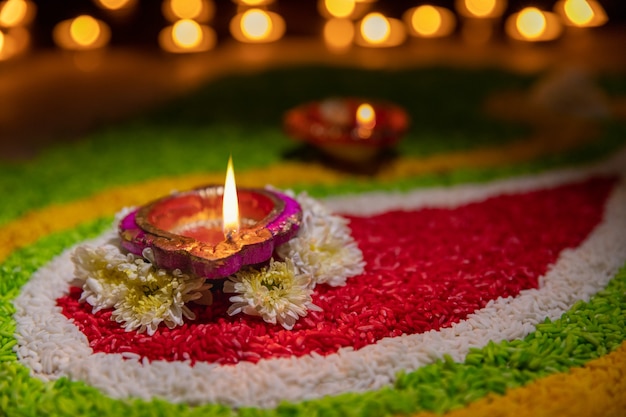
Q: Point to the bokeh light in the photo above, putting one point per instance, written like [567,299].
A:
[338,34]
[375,28]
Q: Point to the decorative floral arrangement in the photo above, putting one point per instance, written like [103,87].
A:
[143,296]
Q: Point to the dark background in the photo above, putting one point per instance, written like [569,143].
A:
[141,27]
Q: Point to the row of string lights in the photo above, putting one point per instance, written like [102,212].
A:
[347,22]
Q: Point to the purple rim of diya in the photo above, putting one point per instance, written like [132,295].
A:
[184,230]
[333,122]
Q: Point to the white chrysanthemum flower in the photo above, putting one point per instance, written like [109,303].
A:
[157,296]
[141,295]
[277,293]
[101,271]
[323,247]
[328,259]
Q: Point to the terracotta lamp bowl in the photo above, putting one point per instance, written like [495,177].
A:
[332,126]
[184,230]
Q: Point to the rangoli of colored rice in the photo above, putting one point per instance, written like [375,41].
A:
[574,365]
[578,375]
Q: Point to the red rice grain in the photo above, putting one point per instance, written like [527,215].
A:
[426,269]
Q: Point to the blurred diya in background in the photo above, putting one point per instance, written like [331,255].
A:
[257,26]
[81,33]
[581,13]
[348,130]
[533,25]
[213,231]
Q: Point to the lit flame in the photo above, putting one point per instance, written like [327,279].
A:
[230,203]
[375,28]
[186,9]
[85,30]
[256,24]
[365,119]
[480,8]
[531,22]
[13,13]
[578,11]
[187,34]
[426,20]
[366,116]
[1,42]
[114,4]
[340,8]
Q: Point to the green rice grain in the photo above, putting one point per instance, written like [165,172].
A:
[442,386]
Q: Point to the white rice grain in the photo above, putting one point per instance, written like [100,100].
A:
[51,347]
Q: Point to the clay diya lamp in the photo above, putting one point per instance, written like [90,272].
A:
[348,129]
[186,230]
